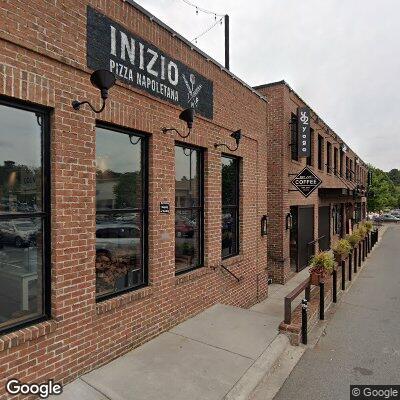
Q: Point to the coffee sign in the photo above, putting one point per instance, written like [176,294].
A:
[303,124]
[138,63]
[306,182]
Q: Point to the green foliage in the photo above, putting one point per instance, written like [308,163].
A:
[362,230]
[394,175]
[384,192]
[322,263]
[342,248]
[354,238]
[368,225]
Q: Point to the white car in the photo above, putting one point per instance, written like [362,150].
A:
[19,233]
[117,240]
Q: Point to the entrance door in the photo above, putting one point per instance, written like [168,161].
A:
[324,227]
[305,233]
[294,239]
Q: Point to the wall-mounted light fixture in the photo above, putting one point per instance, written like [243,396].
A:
[102,80]
[237,135]
[187,116]
[289,221]
[264,225]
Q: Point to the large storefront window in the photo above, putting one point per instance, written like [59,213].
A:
[230,206]
[337,219]
[24,216]
[120,211]
[188,208]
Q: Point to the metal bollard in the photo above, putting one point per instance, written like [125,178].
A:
[334,286]
[304,309]
[344,275]
[350,262]
[352,258]
[322,300]
[359,255]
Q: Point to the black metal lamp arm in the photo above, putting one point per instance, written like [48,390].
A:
[165,130]
[77,104]
[216,145]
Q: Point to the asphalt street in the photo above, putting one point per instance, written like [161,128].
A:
[362,340]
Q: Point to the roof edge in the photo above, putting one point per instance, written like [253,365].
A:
[337,137]
[192,46]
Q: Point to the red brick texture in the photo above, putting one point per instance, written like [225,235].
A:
[43,61]
[282,102]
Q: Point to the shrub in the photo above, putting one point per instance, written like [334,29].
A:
[354,238]
[322,263]
[342,248]
[362,230]
[369,226]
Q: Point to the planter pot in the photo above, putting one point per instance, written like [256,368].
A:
[316,278]
[339,258]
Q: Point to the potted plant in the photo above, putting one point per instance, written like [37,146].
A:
[362,230]
[354,238]
[321,265]
[341,250]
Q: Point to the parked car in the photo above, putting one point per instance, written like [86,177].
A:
[19,233]
[118,240]
[387,218]
[184,227]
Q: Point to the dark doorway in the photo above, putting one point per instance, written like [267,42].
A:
[305,233]
[324,227]
[294,239]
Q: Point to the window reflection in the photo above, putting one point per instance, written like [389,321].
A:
[120,212]
[188,209]
[20,161]
[21,216]
[230,206]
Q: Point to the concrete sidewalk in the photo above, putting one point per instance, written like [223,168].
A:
[222,353]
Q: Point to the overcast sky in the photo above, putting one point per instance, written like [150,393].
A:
[342,57]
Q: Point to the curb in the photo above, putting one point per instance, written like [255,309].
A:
[255,374]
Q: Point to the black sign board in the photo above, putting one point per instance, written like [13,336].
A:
[306,182]
[164,208]
[142,65]
[303,124]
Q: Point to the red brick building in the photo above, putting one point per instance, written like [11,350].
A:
[111,229]
[307,223]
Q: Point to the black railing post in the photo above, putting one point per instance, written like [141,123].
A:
[322,300]
[359,254]
[343,275]
[304,308]
[334,286]
[363,249]
[350,262]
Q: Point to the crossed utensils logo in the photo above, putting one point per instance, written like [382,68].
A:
[193,92]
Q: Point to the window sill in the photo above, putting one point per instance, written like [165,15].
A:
[119,301]
[14,339]
[191,275]
[232,261]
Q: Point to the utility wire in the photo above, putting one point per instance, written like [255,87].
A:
[202,9]
[208,29]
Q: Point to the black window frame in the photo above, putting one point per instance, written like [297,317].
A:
[237,160]
[320,152]
[335,160]
[310,158]
[200,207]
[145,205]
[294,138]
[43,115]
[328,157]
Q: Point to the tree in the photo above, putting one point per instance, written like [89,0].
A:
[383,193]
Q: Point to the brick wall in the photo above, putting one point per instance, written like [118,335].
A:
[282,102]
[43,61]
